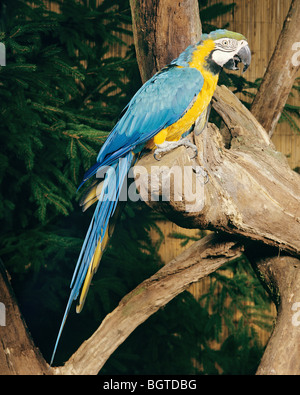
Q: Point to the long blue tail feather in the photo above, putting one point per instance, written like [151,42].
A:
[105,208]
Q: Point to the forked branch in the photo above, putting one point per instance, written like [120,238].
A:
[251,191]
[202,258]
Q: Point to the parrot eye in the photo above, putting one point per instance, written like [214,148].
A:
[227,44]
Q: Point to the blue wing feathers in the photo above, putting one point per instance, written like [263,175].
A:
[164,98]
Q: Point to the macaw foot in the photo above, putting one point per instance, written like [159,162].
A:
[168,146]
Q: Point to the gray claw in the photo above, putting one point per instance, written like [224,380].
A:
[195,153]
[168,146]
[155,155]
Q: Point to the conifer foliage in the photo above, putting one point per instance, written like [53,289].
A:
[56,110]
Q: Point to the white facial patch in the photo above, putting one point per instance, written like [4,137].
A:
[221,57]
[225,50]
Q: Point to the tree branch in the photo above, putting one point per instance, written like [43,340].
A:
[280,74]
[202,258]
[239,122]
[18,354]
[157,43]
[282,277]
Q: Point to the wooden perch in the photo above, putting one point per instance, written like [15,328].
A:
[251,190]
[202,258]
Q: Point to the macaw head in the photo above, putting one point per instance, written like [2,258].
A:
[229,50]
[218,49]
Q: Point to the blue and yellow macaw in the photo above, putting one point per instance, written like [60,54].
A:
[163,110]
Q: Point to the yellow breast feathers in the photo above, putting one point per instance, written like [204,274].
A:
[174,131]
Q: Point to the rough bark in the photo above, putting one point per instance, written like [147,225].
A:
[280,74]
[282,277]
[251,191]
[201,259]
[157,42]
[18,354]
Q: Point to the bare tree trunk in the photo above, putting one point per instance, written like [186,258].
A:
[280,74]
[18,354]
[162,30]
[282,277]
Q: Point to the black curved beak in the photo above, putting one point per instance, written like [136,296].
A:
[243,56]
